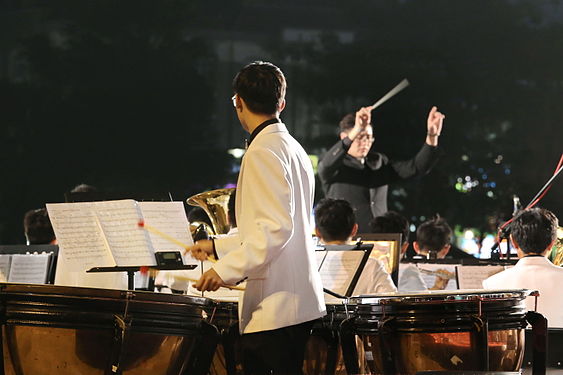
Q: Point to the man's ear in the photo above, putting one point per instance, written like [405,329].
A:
[444,251]
[416,247]
[404,248]
[318,233]
[354,230]
[281,106]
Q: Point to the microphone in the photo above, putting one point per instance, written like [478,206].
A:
[516,206]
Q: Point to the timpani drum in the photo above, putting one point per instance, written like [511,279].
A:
[439,331]
[48,329]
[323,353]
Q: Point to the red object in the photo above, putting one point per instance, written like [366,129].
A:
[141,223]
[144,270]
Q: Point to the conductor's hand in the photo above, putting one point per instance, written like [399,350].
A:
[363,119]
[201,249]
[434,126]
[210,281]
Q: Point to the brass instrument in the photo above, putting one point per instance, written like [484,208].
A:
[557,251]
[215,203]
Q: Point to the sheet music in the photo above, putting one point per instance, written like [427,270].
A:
[79,234]
[431,272]
[169,218]
[472,277]
[101,234]
[5,260]
[382,251]
[29,268]
[339,268]
[129,244]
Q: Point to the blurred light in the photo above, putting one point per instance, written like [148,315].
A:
[484,176]
[236,153]
[490,194]
[464,157]
[230,185]
[493,185]
[467,178]
[507,171]
[480,170]
[412,228]
[423,218]
[468,234]
[498,159]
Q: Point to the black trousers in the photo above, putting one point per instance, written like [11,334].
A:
[279,351]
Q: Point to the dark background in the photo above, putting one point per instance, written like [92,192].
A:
[135,95]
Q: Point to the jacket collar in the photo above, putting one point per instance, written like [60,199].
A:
[273,128]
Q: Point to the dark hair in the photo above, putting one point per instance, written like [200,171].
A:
[391,222]
[84,188]
[347,122]
[534,230]
[334,219]
[434,234]
[262,86]
[37,227]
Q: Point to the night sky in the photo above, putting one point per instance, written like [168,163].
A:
[134,96]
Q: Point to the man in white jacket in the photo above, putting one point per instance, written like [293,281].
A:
[533,233]
[273,250]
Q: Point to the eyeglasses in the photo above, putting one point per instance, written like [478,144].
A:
[234,100]
[365,137]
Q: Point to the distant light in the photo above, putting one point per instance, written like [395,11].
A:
[230,185]
[484,176]
[236,153]
[507,171]
[468,234]
[412,228]
[493,185]
[464,157]
[467,178]
[423,218]
[490,194]
[480,170]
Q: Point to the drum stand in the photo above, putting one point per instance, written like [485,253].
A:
[132,269]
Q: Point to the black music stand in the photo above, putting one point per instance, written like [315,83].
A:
[25,249]
[132,269]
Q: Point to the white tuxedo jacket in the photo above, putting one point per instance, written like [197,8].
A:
[536,273]
[274,247]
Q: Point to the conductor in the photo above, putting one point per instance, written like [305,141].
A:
[352,171]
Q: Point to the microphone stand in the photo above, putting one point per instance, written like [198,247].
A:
[505,233]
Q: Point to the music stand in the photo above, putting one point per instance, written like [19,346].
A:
[387,247]
[132,269]
[24,249]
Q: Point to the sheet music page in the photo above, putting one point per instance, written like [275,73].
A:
[382,251]
[79,235]
[438,276]
[169,218]
[5,260]
[29,268]
[130,244]
[339,268]
[472,277]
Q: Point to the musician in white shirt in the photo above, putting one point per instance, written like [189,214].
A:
[533,233]
[273,250]
[336,225]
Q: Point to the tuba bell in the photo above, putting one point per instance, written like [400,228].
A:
[557,251]
[215,203]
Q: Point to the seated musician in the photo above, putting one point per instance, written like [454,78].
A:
[37,228]
[433,240]
[336,225]
[533,233]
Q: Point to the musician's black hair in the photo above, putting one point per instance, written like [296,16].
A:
[391,222]
[347,122]
[262,85]
[434,234]
[334,219]
[37,227]
[534,230]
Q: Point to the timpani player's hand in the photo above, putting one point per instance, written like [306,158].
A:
[210,281]
[200,250]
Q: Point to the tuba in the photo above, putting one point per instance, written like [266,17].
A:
[557,251]
[215,203]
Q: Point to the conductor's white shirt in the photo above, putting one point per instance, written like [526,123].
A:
[537,273]
[274,247]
